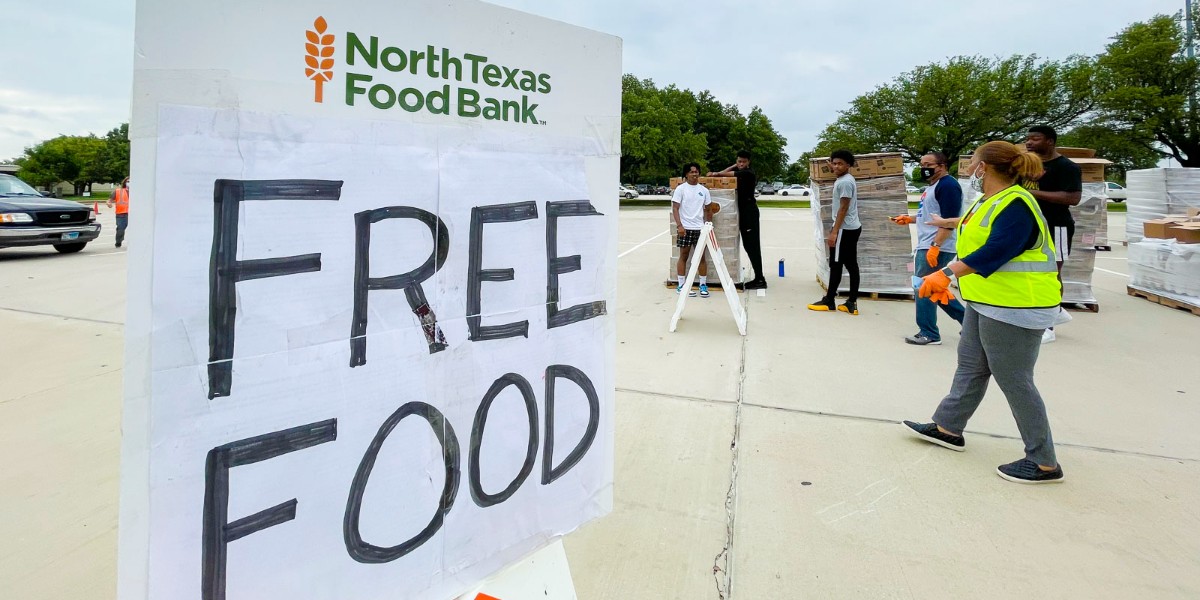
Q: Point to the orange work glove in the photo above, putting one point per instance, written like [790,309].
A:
[936,287]
[931,256]
[903,220]
[942,297]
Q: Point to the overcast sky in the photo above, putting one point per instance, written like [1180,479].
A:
[68,64]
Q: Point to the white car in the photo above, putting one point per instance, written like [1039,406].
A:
[912,189]
[794,190]
[627,193]
[1115,191]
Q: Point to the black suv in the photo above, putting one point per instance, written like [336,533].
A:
[29,219]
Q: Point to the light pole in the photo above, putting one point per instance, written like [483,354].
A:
[1188,9]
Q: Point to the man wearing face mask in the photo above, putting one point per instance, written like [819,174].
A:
[935,245]
[1058,189]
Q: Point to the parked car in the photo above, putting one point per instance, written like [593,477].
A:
[911,189]
[627,193]
[662,190]
[795,190]
[28,218]
[1116,192]
[642,188]
[767,189]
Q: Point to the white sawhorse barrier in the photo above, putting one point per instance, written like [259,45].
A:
[708,241]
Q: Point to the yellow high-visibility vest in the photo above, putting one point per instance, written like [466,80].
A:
[1028,281]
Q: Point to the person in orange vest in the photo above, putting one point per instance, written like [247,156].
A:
[120,197]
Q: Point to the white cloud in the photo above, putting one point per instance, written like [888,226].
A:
[801,62]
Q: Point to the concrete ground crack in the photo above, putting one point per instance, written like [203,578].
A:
[67,317]
[723,563]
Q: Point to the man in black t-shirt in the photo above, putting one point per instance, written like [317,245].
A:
[1058,189]
[747,215]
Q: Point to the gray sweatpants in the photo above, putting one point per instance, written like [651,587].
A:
[990,348]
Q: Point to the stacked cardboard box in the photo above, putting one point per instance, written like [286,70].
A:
[884,249]
[1090,167]
[1159,193]
[1166,267]
[1091,221]
[866,166]
[1166,261]
[725,224]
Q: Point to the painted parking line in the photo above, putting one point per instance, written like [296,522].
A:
[1112,272]
[651,239]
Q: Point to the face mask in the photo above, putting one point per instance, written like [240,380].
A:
[926,173]
[976,183]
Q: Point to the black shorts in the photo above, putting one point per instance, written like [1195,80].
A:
[690,238]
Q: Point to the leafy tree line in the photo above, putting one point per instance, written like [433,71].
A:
[1134,103]
[79,159]
[665,128]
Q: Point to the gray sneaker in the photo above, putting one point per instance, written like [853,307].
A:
[921,340]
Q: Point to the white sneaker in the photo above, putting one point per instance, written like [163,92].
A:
[1063,317]
[1048,336]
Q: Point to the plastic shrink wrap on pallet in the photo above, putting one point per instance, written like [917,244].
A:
[1091,221]
[725,224]
[884,249]
[1166,268]
[1157,193]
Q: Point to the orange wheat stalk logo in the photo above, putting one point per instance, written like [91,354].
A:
[318,57]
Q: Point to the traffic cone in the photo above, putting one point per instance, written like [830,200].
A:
[96,207]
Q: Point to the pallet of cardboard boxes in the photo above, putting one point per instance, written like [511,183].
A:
[1164,267]
[725,224]
[884,250]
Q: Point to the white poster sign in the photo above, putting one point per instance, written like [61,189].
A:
[369,349]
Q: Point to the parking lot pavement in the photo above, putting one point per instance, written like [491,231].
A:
[768,466]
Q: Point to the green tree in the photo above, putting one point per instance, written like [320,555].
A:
[1148,88]
[797,172]
[657,134]
[765,145]
[968,100]
[64,158]
[112,161]
[664,128]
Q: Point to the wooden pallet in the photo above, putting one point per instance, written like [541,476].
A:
[864,295]
[1088,306]
[1163,300]
[712,284]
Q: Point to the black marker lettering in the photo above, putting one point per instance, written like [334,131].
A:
[482,498]
[217,531]
[365,552]
[476,274]
[556,266]
[225,270]
[549,472]
[410,282]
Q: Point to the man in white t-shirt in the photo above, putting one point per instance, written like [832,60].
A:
[692,205]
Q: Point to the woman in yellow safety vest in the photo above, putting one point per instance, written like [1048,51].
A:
[1009,282]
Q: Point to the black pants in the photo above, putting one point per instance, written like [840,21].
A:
[751,239]
[844,254]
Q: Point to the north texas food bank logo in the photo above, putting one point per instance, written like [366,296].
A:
[318,57]
[440,81]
